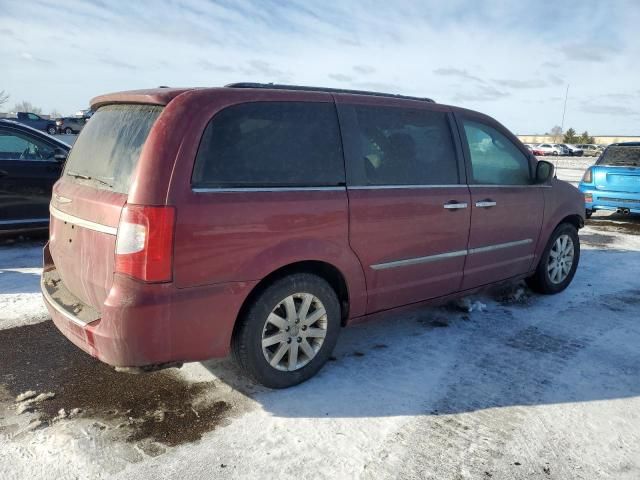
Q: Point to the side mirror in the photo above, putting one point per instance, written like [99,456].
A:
[544,171]
[60,155]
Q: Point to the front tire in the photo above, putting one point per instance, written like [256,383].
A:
[559,261]
[68,131]
[288,331]
[51,130]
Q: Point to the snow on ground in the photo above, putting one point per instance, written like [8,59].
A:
[20,298]
[528,387]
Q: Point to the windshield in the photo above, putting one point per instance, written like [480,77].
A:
[108,149]
[620,156]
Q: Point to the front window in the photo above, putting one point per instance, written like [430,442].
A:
[17,146]
[495,160]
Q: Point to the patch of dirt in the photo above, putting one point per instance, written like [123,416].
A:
[533,340]
[617,222]
[433,321]
[596,239]
[156,406]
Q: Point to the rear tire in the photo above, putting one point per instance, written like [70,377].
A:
[68,131]
[51,130]
[588,212]
[278,342]
[559,261]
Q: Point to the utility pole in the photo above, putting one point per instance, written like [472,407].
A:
[564,110]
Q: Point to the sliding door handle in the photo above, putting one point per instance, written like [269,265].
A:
[455,205]
[487,203]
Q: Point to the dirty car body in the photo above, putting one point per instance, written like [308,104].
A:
[160,255]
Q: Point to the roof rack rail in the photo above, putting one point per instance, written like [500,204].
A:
[277,86]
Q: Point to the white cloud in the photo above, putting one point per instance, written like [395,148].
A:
[448,51]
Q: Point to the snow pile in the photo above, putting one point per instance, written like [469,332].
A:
[466,304]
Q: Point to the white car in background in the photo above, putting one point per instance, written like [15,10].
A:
[572,150]
[548,149]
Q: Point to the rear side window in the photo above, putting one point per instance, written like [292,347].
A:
[271,144]
[108,149]
[495,160]
[398,146]
[620,156]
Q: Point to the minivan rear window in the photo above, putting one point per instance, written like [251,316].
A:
[621,156]
[108,148]
[271,144]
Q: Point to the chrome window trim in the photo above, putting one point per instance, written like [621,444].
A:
[443,256]
[81,222]
[23,221]
[266,189]
[58,308]
[391,187]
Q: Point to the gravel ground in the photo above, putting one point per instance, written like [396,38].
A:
[523,387]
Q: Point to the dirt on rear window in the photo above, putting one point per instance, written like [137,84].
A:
[108,149]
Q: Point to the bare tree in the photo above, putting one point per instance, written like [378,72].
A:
[556,133]
[4,97]
[25,106]
[54,114]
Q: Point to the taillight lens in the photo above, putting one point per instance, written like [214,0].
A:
[588,176]
[588,198]
[144,246]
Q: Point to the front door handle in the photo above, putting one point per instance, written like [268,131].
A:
[455,205]
[487,203]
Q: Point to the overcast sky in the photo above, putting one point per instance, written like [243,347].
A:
[509,59]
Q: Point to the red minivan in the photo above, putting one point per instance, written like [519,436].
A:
[260,219]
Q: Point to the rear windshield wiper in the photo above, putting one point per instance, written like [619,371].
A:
[87,177]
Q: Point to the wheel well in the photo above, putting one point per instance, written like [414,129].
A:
[325,270]
[575,220]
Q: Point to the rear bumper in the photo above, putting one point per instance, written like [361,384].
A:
[608,200]
[149,324]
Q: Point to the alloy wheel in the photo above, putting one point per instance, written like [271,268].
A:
[560,259]
[294,332]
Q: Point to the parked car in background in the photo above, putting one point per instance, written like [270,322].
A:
[590,150]
[572,150]
[86,114]
[259,219]
[548,149]
[613,183]
[533,149]
[70,125]
[36,121]
[562,149]
[30,163]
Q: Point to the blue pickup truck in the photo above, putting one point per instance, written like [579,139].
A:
[35,121]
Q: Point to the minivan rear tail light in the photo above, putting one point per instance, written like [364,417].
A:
[144,246]
[588,176]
